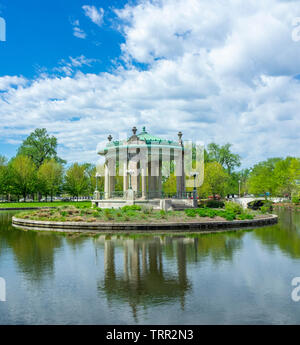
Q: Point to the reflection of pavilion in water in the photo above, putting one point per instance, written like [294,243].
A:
[140,277]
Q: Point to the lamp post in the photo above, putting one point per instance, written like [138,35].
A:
[194,174]
[239,188]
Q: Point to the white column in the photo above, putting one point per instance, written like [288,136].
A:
[159,182]
[151,186]
[155,178]
[155,171]
[183,174]
[179,173]
[144,183]
[125,178]
[135,177]
[111,166]
[106,182]
[111,188]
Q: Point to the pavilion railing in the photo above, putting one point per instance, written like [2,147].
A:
[117,194]
[151,195]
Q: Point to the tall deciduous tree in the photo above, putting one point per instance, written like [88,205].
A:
[77,180]
[3,176]
[23,175]
[233,182]
[170,184]
[39,146]
[224,156]
[50,176]
[91,171]
[215,179]
[287,176]
[261,179]
[3,160]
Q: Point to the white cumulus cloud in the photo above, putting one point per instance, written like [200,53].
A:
[217,71]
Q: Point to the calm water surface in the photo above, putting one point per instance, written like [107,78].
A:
[226,278]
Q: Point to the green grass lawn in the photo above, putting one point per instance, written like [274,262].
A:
[44,204]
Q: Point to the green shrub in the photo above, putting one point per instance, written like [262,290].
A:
[63,213]
[190,212]
[212,213]
[202,212]
[163,214]
[245,216]
[264,209]
[131,213]
[295,200]
[214,204]
[82,207]
[107,214]
[229,216]
[233,207]
[206,212]
[131,208]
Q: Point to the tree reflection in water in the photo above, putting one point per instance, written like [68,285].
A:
[285,235]
[33,251]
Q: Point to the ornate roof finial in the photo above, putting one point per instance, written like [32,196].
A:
[110,138]
[134,130]
[144,129]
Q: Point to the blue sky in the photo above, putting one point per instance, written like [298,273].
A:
[40,35]
[217,71]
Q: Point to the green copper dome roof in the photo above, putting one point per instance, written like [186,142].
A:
[145,136]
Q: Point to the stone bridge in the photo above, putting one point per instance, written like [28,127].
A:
[245,200]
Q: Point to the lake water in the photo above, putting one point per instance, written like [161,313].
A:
[239,277]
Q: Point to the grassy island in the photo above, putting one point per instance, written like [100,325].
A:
[138,214]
